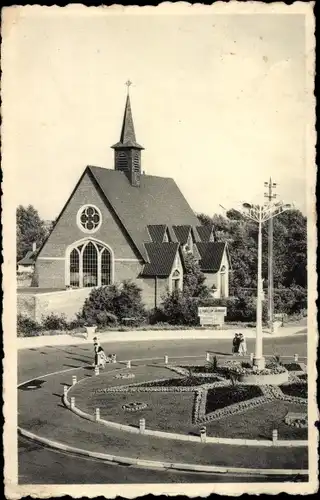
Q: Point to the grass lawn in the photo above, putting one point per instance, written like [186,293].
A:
[108,378]
[259,422]
[171,412]
[219,397]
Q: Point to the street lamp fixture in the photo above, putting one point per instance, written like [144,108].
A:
[261,214]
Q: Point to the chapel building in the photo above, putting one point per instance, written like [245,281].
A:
[122,224]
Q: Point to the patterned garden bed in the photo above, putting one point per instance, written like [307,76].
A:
[221,397]
[296,390]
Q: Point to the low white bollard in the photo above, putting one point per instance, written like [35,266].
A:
[274,435]
[296,358]
[128,364]
[65,390]
[97,414]
[74,379]
[166,360]
[208,356]
[142,425]
[203,434]
[73,402]
[96,370]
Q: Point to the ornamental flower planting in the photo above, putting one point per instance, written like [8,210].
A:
[240,368]
[182,382]
[135,406]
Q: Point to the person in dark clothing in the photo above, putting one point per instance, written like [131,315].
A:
[236,343]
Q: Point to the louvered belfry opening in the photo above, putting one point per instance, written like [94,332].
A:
[127,156]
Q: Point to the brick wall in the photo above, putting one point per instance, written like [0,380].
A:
[148,290]
[51,273]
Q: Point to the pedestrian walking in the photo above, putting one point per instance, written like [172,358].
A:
[242,345]
[235,343]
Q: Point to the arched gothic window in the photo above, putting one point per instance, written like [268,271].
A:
[89,264]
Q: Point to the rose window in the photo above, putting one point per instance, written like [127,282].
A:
[90,218]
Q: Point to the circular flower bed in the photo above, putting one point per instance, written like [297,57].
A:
[135,406]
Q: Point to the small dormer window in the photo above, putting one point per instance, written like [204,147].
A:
[165,237]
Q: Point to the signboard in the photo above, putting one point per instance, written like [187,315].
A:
[212,315]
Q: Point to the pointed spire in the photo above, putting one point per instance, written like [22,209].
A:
[127,136]
[127,154]
[127,131]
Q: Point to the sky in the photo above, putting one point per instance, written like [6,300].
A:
[218,102]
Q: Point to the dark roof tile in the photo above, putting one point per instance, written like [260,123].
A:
[211,254]
[182,233]
[157,232]
[157,200]
[205,233]
[161,257]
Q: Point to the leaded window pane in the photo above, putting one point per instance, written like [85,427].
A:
[105,268]
[90,266]
[74,268]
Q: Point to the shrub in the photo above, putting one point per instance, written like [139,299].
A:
[179,308]
[27,327]
[54,322]
[109,304]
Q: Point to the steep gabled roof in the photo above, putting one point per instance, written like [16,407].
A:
[157,201]
[161,259]
[211,254]
[29,259]
[182,233]
[157,232]
[205,232]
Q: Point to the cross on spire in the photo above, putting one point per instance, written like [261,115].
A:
[128,83]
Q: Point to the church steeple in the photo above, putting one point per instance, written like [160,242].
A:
[127,157]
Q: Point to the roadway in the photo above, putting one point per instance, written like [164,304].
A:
[40,465]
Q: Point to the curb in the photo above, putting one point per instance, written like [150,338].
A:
[159,465]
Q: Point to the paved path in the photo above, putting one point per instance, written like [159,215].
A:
[152,335]
[42,411]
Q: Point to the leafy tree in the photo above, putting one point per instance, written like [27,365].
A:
[193,278]
[289,253]
[30,229]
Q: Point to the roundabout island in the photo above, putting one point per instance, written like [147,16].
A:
[194,413]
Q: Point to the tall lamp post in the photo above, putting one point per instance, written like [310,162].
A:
[260,214]
[270,195]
